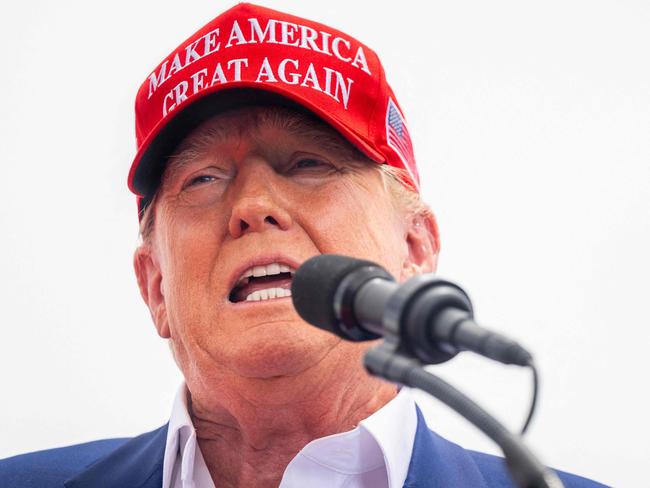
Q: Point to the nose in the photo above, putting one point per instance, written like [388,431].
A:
[257,205]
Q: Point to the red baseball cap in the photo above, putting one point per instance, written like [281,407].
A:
[252,55]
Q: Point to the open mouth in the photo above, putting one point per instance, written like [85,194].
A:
[266,282]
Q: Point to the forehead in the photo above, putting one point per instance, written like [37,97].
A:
[254,121]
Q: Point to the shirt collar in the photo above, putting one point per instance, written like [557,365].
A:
[383,439]
[182,451]
[393,428]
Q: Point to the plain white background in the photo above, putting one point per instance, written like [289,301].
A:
[530,122]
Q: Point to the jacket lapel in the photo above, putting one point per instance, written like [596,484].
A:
[436,462]
[137,463]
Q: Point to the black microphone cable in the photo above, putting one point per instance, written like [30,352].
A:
[534,397]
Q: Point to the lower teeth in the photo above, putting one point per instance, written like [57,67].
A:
[268,294]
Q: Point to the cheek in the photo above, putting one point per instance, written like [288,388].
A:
[190,251]
[354,221]
[191,241]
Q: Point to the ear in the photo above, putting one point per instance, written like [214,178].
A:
[423,241]
[148,273]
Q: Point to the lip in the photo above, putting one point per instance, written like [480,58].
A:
[259,261]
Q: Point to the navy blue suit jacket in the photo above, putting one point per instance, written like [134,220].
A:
[138,463]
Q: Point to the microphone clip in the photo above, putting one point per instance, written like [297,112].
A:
[417,303]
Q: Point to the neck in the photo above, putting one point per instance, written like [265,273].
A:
[247,438]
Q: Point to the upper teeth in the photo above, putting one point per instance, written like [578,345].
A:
[265,270]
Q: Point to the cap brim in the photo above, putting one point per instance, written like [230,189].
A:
[149,164]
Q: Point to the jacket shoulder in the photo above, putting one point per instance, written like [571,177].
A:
[52,467]
[495,472]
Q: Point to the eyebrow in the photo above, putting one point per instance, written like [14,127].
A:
[320,134]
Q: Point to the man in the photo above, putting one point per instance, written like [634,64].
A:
[263,140]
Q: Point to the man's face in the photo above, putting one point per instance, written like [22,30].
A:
[260,187]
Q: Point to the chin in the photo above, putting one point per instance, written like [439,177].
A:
[280,350]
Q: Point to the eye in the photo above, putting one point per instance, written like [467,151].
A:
[205,177]
[199,180]
[310,165]
[202,186]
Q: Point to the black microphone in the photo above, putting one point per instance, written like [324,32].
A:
[359,300]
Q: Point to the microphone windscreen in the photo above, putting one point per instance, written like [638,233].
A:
[314,286]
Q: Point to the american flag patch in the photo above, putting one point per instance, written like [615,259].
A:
[398,137]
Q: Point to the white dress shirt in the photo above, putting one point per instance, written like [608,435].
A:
[376,454]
